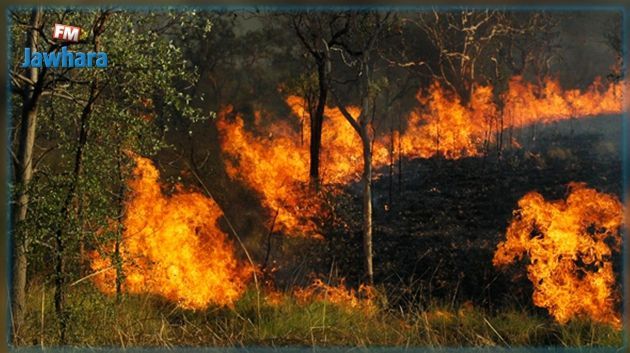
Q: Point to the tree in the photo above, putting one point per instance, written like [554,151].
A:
[460,48]
[31,94]
[368,28]
[87,114]
[317,32]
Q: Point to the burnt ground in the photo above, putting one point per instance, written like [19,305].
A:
[438,222]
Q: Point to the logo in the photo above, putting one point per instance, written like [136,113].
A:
[64,58]
[66,33]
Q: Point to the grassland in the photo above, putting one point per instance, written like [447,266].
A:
[143,320]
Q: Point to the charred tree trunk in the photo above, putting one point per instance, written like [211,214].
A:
[309,29]
[317,122]
[24,168]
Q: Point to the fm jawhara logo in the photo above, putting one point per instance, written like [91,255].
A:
[63,57]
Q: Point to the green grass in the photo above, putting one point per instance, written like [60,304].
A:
[99,320]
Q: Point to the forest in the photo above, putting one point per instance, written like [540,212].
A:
[317,177]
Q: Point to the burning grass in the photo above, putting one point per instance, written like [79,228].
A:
[148,320]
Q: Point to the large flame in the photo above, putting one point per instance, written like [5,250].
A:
[526,103]
[172,247]
[273,158]
[444,125]
[569,245]
[341,156]
[275,162]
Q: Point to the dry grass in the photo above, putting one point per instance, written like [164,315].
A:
[97,320]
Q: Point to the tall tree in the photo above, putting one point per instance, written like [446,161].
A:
[31,93]
[317,32]
[360,46]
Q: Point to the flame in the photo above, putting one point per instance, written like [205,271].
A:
[273,156]
[446,126]
[341,156]
[362,299]
[527,103]
[172,247]
[569,245]
[276,165]
[275,162]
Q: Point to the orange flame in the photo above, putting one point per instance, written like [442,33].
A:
[363,298]
[527,103]
[172,247]
[273,158]
[447,127]
[341,156]
[274,164]
[569,245]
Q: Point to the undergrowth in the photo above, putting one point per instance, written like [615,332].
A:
[144,320]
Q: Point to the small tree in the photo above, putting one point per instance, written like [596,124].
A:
[367,29]
[318,32]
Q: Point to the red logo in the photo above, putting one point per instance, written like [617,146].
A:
[66,33]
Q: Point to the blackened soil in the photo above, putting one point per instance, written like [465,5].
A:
[437,222]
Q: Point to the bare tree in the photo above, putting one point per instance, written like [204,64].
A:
[367,29]
[472,46]
[317,32]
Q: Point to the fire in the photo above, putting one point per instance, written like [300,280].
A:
[273,156]
[172,247]
[443,125]
[363,298]
[528,104]
[276,165]
[447,127]
[341,155]
[569,245]
[275,162]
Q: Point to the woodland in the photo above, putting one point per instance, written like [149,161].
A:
[437,177]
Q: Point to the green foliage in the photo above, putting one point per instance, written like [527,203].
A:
[148,84]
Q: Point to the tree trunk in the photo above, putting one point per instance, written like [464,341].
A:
[367,206]
[67,209]
[364,133]
[28,131]
[391,159]
[362,125]
[120,229]
[65,214]
[316,124]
